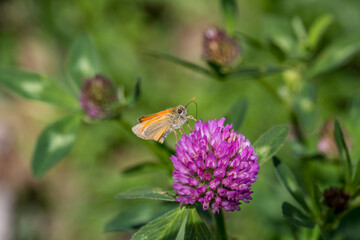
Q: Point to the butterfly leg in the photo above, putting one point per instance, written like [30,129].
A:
[189,125]
[175,136]
[191,117]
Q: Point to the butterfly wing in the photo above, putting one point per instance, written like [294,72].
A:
[154,128]
[154,115]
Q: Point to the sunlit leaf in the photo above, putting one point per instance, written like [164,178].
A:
[166,226]
[186,64]
[252,72]
[146,192]
[296,216]
[137,216]
[237,113]
[83,62]
[54,143]
[36,87]
[230,13]
[196,228]
[269,143]
[343,150]
[317,30]
[289,181]
[335,55]
[349,225]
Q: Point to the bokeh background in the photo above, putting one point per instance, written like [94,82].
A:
[77,198]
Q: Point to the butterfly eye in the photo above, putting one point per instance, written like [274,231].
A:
[179,111]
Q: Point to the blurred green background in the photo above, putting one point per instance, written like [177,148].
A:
[76,199]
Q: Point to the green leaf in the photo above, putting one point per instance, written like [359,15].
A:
[136,93]
[230,12]
[195,228]
[279,33]
[186,64]
[306,109]
[83,62]
[317,30]
[237,113]
[252,41]
[36,87]
[299,29]
[296,216]
[137,216]
[54,143]
[276,50]
[143,167]
[146,192]
[252,72]
[336,55]
[269,143]
[164,227]
[343,151]
[316,199]
[288,179]
[349,225]
[355,108]
[356,179]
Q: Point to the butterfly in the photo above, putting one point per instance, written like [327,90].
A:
[157,126]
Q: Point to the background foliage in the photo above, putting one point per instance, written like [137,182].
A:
[76,199]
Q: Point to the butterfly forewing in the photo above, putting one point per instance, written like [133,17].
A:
[151,116]
[154,127]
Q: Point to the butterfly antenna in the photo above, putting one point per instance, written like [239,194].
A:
[196,110]
[193,100]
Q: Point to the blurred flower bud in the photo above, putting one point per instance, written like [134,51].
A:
[98,97]
[219,48]
[336,199]
[327,144]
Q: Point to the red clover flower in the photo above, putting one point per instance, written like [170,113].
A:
[214,166]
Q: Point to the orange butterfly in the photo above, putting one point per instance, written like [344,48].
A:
[158,125]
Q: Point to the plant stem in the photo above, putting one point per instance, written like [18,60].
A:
[220,226]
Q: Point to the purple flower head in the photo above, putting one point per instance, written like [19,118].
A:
[214,166]
[97,96]
[219,47]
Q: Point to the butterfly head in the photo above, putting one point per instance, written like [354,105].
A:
[181,111]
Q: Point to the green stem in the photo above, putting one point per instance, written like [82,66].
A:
[220,226]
